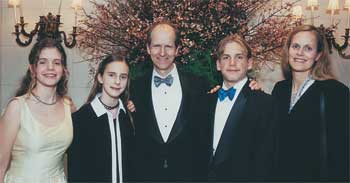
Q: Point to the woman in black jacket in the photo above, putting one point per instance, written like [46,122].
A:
[314,135]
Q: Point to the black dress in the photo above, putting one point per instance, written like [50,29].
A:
[300,132]
[89,156]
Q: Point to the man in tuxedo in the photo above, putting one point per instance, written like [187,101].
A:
[242,134]
[168,110]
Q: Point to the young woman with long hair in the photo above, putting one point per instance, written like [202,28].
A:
[36,127]
[103,128]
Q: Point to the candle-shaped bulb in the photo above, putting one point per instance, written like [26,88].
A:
[312,3]
[297,12]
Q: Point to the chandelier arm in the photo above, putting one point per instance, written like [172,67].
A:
[32,33]
[74,41]
[23,31]
[18,40]
[25,43]
[335,44]
[343,55]
[329,38]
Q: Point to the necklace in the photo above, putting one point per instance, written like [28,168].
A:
[43,102]
[107,106]
[295,97]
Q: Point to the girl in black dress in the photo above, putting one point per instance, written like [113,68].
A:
[314,135]
[103,129]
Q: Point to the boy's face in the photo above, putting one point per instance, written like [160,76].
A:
[233,63]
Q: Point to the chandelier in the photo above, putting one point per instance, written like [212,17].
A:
[47,26]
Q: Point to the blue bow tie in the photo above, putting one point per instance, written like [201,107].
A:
[230,93]
[168,80]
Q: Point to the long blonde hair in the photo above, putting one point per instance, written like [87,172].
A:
[321,69]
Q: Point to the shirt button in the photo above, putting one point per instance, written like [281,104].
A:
[165,92]
[166,109]
[166,126]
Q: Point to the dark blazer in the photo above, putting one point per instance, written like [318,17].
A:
[300,132]
[89,156]
[246,148]
[181,158]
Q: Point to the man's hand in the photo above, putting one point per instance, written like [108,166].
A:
[254,85]
[215,89]
[131,107]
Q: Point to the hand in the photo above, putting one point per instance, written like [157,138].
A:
[254,85]
[131,107]
[215,89]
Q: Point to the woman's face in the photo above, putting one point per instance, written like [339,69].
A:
[49,68]
[114,79]
[303,52]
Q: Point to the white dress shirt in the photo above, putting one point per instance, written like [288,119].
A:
[166,102]
[222,111]
[100,110]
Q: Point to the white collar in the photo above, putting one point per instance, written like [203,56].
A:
[99,109]
[238,86]
[173,72]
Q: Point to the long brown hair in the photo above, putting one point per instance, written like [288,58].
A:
[28,82]
[97,86]
[321,69]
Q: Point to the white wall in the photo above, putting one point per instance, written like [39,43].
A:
[14,59]
[14,62]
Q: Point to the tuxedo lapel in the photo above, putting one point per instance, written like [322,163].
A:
[227,136]
[287,96]
[212,106]
[153,126]
[180,119]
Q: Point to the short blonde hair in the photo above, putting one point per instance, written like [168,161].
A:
[233,38]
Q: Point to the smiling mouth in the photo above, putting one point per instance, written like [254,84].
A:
[299,60]
[113,88]
[232,70]
[50,75]
[163,59]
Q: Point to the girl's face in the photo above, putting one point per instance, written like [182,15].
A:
[49,68]
[303,51]
[114,79]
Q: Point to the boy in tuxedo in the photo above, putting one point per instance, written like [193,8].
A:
[242,121]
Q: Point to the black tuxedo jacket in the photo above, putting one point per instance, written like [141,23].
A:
[246,148]
[300,136]
[181,158]
[89,155]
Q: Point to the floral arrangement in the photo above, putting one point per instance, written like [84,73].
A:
[122,25]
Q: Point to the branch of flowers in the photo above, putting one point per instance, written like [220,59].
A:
[100,35]
[253,9]
[269,16]
[262,52]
